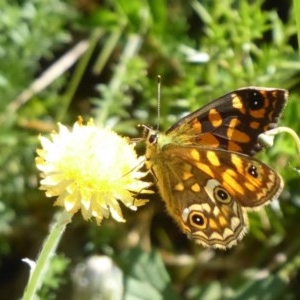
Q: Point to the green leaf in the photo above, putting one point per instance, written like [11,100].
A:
[147,278]
[269,288]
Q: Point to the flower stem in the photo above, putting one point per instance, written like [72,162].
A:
[290,132]
[39,270]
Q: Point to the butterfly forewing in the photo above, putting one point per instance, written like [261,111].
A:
[234,121]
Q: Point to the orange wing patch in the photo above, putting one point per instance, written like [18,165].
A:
[214,118]
[209,139]
[230,184]
[234,122]
[195,154]
[196,125]
[205,168]
[254,125]
[186,175]
[179,187]
[238,136]
[258,114]
[213,158]
[196,188]
[232,146]
[238,104]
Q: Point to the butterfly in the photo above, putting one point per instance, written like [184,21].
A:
[204,166]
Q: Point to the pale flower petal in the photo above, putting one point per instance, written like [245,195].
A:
[91,169]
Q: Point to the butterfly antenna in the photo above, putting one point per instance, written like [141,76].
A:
[158,100]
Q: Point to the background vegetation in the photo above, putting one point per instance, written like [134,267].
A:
[202,49]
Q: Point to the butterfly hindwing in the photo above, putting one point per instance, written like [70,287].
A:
[209,189]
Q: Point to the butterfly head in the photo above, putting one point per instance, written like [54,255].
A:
[155,139]
[150,135]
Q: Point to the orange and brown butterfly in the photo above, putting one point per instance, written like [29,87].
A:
[204,166]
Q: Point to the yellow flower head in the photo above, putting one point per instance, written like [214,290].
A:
[91,169]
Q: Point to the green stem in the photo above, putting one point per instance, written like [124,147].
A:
[39,271]
[78,74]
[107,50]
[289,131]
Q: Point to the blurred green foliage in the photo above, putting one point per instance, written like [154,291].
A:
[201,49]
